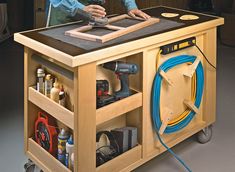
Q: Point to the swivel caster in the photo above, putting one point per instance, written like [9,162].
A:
[31,167]
[205,135]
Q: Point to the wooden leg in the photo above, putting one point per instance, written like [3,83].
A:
[209,110]
[85,118]
[26,58]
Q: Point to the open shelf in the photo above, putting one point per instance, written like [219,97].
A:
[122,161]
[44,159]
[54,109]
[118,108]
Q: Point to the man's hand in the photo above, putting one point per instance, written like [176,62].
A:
[95,10]
[138,13]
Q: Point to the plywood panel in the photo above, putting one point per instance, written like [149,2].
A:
[85,118]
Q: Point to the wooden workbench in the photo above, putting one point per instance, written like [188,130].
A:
[79,68]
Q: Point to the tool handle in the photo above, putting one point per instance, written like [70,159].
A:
[43,116]
[124,91]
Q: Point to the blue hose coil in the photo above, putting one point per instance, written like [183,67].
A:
[166,66]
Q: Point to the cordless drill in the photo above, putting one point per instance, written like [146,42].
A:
[123,70]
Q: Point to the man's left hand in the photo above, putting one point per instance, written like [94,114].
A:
[138,13]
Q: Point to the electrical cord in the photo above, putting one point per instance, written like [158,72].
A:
[205,57]
[186,117]
[173,153]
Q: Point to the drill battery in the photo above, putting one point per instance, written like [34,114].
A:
[102,96]
[105,100]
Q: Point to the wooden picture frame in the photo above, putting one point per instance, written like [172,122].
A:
[118,31]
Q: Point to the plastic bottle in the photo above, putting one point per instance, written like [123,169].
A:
[72,159]
[40,80]
[55,91]
[62,97]
[62,139]
[48,85]
[69,151]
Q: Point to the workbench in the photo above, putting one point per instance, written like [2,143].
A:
[78,68]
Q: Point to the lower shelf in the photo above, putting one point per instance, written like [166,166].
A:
[44,159]
[122,161]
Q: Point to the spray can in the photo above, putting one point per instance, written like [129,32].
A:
[62,97]
[69,151]
[62,139]
[55,91]
[40,80]
[48,85]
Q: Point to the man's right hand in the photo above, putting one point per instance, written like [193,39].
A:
[95,10]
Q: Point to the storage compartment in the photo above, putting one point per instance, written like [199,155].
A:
[124,78]
[63,74]
[118,128]
[44,129]
[122,113]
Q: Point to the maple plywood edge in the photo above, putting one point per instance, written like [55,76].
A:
[44,49]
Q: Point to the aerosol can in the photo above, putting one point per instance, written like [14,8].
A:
[62,140]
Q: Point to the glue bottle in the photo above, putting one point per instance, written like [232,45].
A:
[62,139]
[48,85]
[62,97]
[69,151]
[40,80]
[55,91]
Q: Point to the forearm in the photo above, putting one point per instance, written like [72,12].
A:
[130,4]
[69,6]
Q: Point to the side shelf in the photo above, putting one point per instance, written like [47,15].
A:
[44,159]
[53,108]
[118,108]
[122,161]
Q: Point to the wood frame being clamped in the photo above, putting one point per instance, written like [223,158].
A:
[118,31]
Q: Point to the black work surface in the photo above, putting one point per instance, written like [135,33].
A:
[58,33]
[74,50]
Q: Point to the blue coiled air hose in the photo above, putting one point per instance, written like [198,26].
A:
[156,89]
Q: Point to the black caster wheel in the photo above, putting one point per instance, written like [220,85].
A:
[205,135]
[31,167]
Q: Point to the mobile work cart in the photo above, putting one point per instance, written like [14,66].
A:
[77,65]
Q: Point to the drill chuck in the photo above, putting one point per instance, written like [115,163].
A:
[122,67]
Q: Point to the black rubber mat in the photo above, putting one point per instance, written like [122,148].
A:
[59,33]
